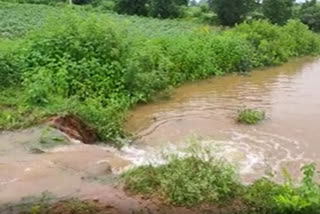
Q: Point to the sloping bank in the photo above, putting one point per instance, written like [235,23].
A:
[97,70]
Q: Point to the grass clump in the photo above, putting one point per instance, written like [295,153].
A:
[250,116]
[198,178]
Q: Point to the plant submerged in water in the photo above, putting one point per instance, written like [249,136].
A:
[250,116]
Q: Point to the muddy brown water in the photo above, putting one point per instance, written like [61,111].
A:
[289,137]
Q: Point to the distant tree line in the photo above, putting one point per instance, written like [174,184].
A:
[227,12]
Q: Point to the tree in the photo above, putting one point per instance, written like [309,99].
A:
[164,9]
[80,1]
[231,12]
[308,4]
[181,2]
[310,15]
[132,7]
[278,11]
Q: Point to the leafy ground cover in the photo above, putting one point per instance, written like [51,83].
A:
[18,19]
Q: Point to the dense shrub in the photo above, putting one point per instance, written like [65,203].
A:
[274,44]
[303,41]
[269,43]
[78,57]
[9,65]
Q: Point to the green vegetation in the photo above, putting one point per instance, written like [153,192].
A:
[200,178]
[310,15]
[96,66]
[129,7]
[212,12]
[47,203]
[18,19]
[269,197]
[231,12]
[278,11]
[199,14]
[250,116]
[196,179]
[89,65]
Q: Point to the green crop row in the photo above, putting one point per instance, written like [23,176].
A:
[18,19]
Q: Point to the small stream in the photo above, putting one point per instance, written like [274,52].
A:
[205,110]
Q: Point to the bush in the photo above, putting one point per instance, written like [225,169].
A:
[267,39]
[196,179]
[9,65]
[250,116]
[77,57]
[303,41]
[269,197]
[275,45]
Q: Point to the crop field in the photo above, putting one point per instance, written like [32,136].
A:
[17,19]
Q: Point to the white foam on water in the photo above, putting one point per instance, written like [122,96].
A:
[8,182]
[252,153]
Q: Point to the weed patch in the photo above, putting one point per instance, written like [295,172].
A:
[196,179]
[250,116]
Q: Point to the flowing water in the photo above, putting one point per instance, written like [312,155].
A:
[289,137]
